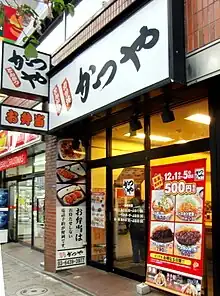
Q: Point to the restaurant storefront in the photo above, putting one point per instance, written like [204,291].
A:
[135,152]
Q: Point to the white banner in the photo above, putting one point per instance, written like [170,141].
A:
[131,58]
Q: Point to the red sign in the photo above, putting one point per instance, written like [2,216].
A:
[12,26]
[176,240]
[13,160]
[11,142]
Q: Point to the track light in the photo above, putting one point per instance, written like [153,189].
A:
[135,125]
[167,114]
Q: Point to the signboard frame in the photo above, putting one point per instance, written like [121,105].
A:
[175,59]
[15,91]
[18,127]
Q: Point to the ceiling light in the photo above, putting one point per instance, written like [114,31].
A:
[152,137]
[181,142]
[199,118]
[160,138]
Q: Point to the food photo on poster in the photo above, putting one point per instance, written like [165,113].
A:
[176,240]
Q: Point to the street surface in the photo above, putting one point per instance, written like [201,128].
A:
[22,280]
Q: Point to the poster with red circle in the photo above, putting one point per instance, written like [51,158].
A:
[176,230]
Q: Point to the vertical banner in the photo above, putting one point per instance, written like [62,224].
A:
[3,215]
[176,234]
[71,206]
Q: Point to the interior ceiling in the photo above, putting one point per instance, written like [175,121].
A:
[178,130]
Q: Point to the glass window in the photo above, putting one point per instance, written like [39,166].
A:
[39,163]
[12,190]
[191,123]
[189,206]
[98,220]
[39,212]
[129,220]
[83,13]
[54,40]
[98,146]
[25,169]
[25,211]
[123,142]
[11,172]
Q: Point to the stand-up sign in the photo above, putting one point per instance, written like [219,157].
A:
[176,240]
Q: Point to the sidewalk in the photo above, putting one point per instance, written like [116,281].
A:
[88,280]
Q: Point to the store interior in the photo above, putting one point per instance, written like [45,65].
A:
[191,123]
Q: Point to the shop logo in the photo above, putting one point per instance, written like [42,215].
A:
[128,186]
[199,174]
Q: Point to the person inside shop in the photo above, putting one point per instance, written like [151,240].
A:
[137,228]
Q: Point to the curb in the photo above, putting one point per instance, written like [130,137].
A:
[54,276]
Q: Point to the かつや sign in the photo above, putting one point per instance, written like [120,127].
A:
[22,76]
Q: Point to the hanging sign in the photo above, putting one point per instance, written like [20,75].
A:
[22,77]
[176,240]
[71,205]
[120,65]
[23,119]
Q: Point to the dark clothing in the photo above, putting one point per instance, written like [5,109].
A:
[137,232]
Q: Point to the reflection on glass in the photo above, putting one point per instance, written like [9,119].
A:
[39,212]
[124,142]
[98,219]
[25,169]
[191,123]
[129,220]
[98,146]
[208,260]
[39,163]
[24,211]
[11,172]
[12,190]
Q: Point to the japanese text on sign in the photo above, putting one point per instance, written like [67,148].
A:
[24,118]
[108,71]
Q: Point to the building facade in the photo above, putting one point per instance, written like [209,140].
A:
[171,123]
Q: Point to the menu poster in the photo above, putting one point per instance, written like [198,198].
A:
[98,209]
[71,205]
[176,240]
[71,236]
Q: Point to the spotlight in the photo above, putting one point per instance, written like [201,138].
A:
[167,114]
[76,144]
[135,124]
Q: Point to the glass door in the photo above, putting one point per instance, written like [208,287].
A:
[25,211]
[12,222]
[98,215]
[129,236]
[39,212]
